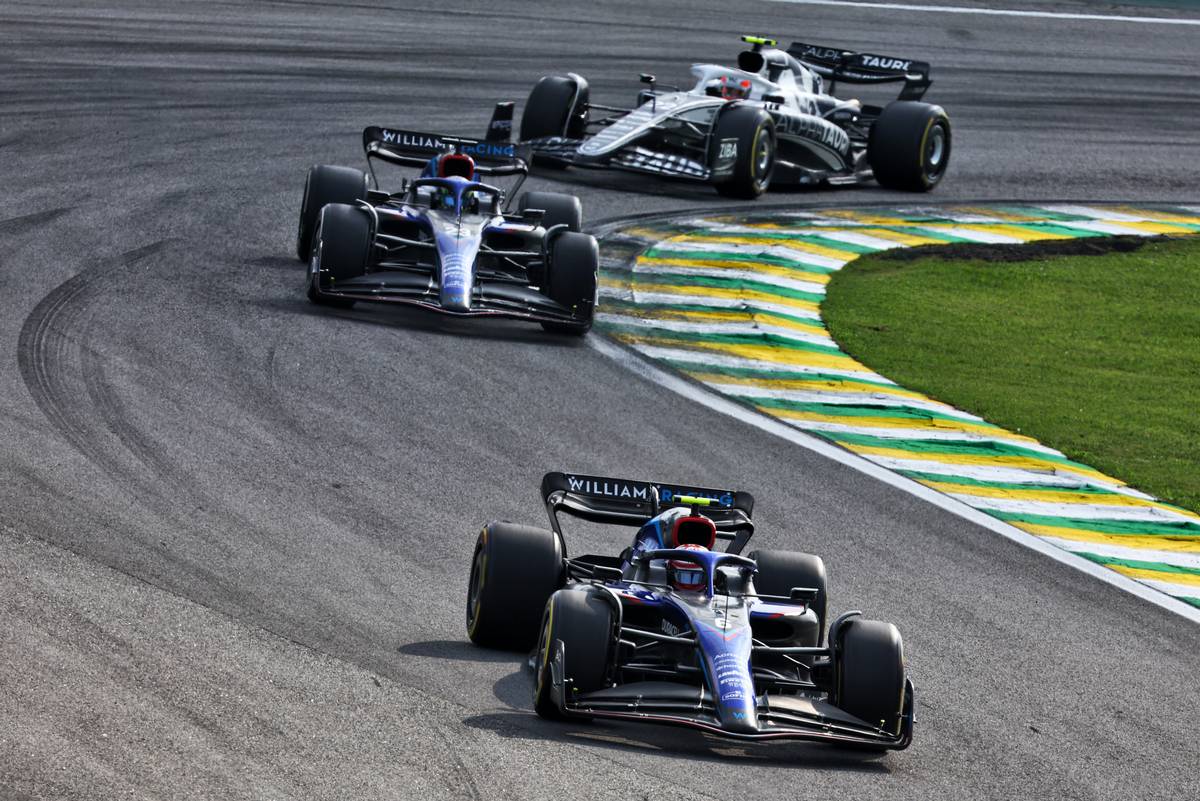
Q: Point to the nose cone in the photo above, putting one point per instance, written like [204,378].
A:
[457,256]
[732,685]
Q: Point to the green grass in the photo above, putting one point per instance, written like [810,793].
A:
[1098,356]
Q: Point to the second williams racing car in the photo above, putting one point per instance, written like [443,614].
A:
[772,120]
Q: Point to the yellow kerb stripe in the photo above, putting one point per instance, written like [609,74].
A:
[1159,542]
[810,384]
[765,353]
[724,264]
[898,423]
[1032,463]
[898,237]
[1157,575]
[762,241]
[642,285]
[1161,216]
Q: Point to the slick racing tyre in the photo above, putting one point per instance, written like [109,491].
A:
[343,241]
[326,184]
[560,209]
[583,620]
[870,673]
[557,106]
[909,146]
[571,280]
[514,571]
[780,571]
[752,131]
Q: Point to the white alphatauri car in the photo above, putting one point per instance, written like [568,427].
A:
[773,119]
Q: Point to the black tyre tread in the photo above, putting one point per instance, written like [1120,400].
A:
[895,148]
[779,571]
[325,184]
[871,680]
[345,241]
[547,113]
[524,567]
[571,280]
[560,208]
[583,621]
[744,123]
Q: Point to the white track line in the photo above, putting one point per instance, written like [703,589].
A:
[996,12]
[770,425]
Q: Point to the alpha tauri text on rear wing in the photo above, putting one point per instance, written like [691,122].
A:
[836,64]
[628,502]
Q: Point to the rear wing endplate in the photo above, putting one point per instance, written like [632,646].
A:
[624,501]
[835,64]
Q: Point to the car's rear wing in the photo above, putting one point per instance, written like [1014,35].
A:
[625,501]
[835,64]
[414,148]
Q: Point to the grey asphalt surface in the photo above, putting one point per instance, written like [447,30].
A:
[235,530]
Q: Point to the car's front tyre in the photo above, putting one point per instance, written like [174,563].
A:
[342,245]
[570,281]
[751,132]
[583,620]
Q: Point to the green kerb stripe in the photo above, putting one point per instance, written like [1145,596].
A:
[1058,230]
[794,236]
[1004,485]
[773,375]
[1158,567]
[750,259]
[719,282]
[1193,601]
[635,310]
[765,339]
[1133,527]
[953,448]
[857,410]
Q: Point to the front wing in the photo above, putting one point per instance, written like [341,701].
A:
[781,717]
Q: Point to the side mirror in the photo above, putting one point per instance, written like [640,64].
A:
[778,100]
[646,77]
[803,594]
[534,215]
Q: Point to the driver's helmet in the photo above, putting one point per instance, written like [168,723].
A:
[450,164]
[729,88]
[685,575]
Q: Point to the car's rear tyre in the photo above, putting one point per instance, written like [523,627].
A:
[514,571]
[342,245]
[325,184]
[560,209]
[571,281]
[754,132]
[909,146]
[583,620]
[870,673]
[780,571]
[556,107]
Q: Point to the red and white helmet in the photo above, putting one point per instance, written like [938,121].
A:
[685,575]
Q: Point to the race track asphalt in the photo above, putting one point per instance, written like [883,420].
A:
[235,529]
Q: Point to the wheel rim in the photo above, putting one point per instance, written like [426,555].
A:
[935,151]
[762,156]
[475,587]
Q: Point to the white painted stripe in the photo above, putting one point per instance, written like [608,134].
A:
[703,359]
[973,235]
[673,299]
[1122,552]
[998,12]
[1170,588]
[781,251]
[1102,227]
[726,272]
[712,400]
[908,434]
[750,392]
[981,472]
[1080,511]
[864,240]
[746,328]
[1096,213]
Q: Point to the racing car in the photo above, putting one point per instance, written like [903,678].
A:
[772,120]
[446,240]
[674,631]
